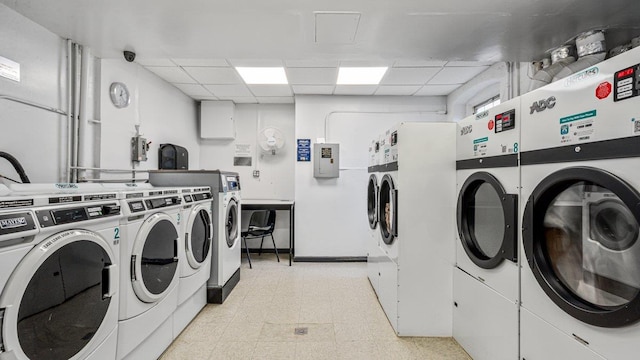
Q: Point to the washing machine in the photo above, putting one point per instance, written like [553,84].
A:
[225,266]
[581,189]
[486,281]
[194,254]
[416,222]
[373,240]
[59,272]
[150,238]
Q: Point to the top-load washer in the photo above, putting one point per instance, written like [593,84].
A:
[194,255]
[416,222]
[59,257]
[580,193]
[225,266]
[486,284]
[150,238]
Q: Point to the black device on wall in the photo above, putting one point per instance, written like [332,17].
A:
[173,157]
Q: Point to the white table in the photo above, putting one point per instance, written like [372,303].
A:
[276,204]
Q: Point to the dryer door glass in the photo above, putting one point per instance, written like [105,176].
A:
[387,210]
[200,236]
[580,235]
[232,223]
[159,257]
[372,201]
[483,214]
[589,237]
[64,304]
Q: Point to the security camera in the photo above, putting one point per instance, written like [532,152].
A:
[129,55]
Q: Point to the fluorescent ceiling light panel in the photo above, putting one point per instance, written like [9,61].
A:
[360,75]
[263,75]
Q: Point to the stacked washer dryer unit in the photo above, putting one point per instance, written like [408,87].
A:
[150,239]
[225,268]
[373,241]
[59,259]
[194,255]
[580,193]
[416,222]
[486,284]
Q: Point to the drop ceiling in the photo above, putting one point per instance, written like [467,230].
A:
[430,47]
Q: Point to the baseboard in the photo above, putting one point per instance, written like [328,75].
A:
[217,295]
[330,259]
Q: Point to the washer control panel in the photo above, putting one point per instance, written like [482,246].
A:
[505,121]
[626,83]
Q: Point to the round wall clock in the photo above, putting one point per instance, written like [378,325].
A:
[119,95]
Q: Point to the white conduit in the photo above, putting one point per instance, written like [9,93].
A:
[69,108]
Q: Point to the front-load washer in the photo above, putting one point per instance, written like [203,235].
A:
[226,251]
[486,284]
[194,255]
[150,239]
[373,240]
[416,221]
[59,269]
[580,182]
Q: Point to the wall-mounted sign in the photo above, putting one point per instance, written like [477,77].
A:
[304,149]
[9,69]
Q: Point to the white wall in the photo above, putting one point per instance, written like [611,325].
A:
[331,213]
[276,179]
[164,113]
[36,137]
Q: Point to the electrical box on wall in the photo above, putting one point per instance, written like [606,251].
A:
[326,160]
[217,120]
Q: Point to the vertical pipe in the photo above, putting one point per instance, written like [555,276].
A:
[76,110]
[70,115]
[83,111]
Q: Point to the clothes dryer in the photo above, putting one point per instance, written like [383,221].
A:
[416,222]
[225,266]
[373,240]
[59,269]
[194,255]
[486,285]
[150,235]
[580,179]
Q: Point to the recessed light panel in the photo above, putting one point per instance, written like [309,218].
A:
[263,75]
[360,75]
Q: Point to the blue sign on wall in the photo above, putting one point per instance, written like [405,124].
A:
[304,149]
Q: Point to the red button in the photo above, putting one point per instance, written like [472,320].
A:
[603,90]
[491,124]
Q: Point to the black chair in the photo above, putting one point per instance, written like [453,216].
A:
[261,224]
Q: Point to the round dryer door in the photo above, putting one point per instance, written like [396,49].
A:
[388,210]
[372,201]
[231,224]
[581,229]
[198,235]
[487,221]
[56,301]
[155,257]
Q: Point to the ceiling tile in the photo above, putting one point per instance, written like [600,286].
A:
[214,75]
[355,89]
[434,90]
[271,90]
[223,91]
[275,99]
[193,89]
[409,76]
[456,75]
[364,63]
[419,63]
[311,63]
[256,62]
[313,89]
[201,62]
[312,76]
[468,63]
[172,74]
[241,99]
[155,62]
[397,90]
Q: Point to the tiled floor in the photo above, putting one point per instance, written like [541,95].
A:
[334,301]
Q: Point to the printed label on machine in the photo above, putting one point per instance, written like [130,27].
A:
[480,146]
[577,128]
